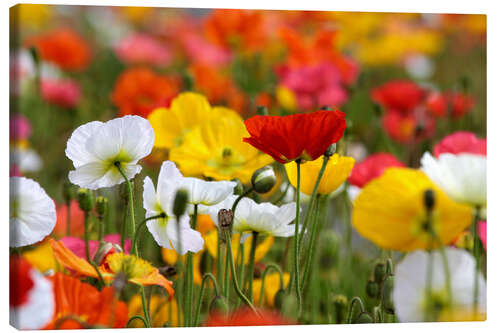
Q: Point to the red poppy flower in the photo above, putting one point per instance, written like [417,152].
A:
[139,90]
[372,167]
[64,47]
[461,142]
[436,104]
[298,136]
[76,218]
[399,95]
[460,103]
[407,127]
[80,300]
[246,317]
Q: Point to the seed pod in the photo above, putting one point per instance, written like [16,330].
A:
[263,179]
[225,217]
[219,305]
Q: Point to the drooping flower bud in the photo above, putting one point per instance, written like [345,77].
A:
[101,205]
[104,250]
[68,191]
[238,189]
[330,150]
[180,202]
[85,199]
[372,289]
[340,305]
[379,272]
[279,298]
[387,302]
[263,179]
[364,318]
[219,305]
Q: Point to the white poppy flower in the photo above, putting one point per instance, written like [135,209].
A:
[264,218]
[462,176]
[410,293]
[38,309]
[32,212]
[95,147]
[26,159]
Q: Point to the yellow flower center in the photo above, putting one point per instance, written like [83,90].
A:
[130,265]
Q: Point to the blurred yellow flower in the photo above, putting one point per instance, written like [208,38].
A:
[272,286]
[170,257]
[32,15]
[337,170]
[186,111]
[261,250]
[286,98]
[390,211]
[461,315]
[215,149]
[42,258]
[162,311]
[136,14]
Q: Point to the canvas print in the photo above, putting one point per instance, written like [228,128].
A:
[183,167]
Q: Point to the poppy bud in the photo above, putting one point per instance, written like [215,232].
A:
[219,305]
[364,318]
[225,219]
[34,55]
[372,289]
[262,110]
[101,205]
[104,250]
[124,189]
[180,202]
[387,302]
[188,81]
[263,179]
[279,299]
[379,272]
[340,304]
[238,189]
[429,199]
[68,191]
[289,306]
[330,150]
[85,199]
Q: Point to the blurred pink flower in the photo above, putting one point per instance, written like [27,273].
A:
[64,93]
[481,230]
[14,171]
[314,86]
[143,49]
[77,245]
[20,127]
[461,142]
[203,52]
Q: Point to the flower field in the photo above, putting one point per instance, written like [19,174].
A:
[211,167]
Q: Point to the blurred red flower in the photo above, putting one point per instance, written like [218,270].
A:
[64,47]
[405,128]
[80,300]
[461,104]
[461,142]
[298,136]
[481,230]
[436,104]
[64,93]
[372,167]
[139,90]
[398,95]
[246,317]
[143,49]
[76,217]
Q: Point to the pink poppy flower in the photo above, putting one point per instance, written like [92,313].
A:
[64,93]
[144,50]
[20,127]
[77,245]
[461,142]
[481,230]
[201,51]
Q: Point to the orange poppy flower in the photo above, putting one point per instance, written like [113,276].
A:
[64,47]
[136,270]
[86,304]
[76,220]
[246,317]
[297,136]
[236,28]
[139,90]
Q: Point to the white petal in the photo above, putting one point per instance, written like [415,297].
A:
[40,307]
[32,212]
[191,239]
[27,160]
[99,175]
[76,148]
[149,198]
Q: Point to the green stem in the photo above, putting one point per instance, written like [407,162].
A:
[131,202]
[101,227]
[476,256]
[189,277]
[145,308]
[206,277]
[264,275]
[134,318]
[220,262]
[296,242]
[68,218]
[86,234]
[251,264]
[134,240]
[124,226]
[312,244]
[226,273]
[313,199]
[428,285]
[235,278]
[351,308]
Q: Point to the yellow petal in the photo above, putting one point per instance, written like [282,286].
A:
[42,258]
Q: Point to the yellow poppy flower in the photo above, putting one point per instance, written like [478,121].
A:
[216,149]
[461,315]
[161,310]
[186,111]
[261,250]
[337,170]
[32,15]
[286,98]
[272,286]
[390,211]
[42,258]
